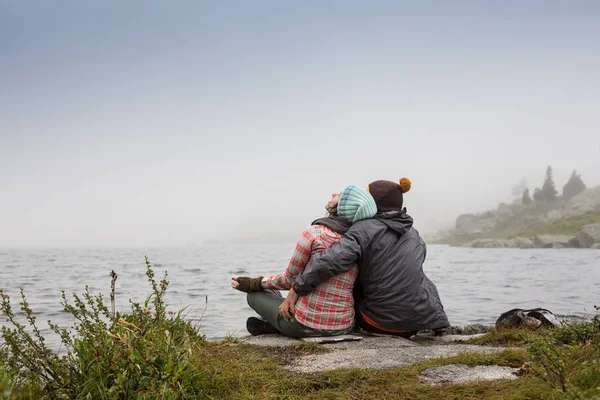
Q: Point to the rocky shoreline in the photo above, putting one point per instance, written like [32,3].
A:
[587,237]
[573,223]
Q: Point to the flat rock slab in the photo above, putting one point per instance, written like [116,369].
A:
[380,356]
[368,342]
[382,352]
[459,373]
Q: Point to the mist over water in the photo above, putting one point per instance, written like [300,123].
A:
[162,125]
[475,285]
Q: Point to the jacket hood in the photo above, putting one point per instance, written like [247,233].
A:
[336,224]
[398,221]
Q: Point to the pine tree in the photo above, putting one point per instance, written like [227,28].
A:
[549,191]
[574,186]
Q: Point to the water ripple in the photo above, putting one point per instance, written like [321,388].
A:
[475,285]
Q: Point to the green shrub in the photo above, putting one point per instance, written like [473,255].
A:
[568,358]
[106,355]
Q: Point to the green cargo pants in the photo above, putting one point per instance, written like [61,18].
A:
[266,304]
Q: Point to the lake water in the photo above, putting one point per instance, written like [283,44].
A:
[476,285]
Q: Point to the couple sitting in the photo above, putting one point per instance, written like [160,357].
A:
[363,263]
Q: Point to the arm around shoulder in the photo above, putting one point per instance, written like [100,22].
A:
[339,258]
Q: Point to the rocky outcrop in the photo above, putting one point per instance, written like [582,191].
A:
[464,222]
[585,202]
[475,224]
[491,229]
[588,199]
[555,241]
[521,243]
[586,238]
[589,235]
[539,241]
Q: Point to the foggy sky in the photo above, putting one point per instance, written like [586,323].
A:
[169,123]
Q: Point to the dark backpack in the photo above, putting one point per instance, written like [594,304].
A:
[518,317]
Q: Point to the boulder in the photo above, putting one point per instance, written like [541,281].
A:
[465,221]
[554,241]
[475,224]
[588,235]
[520,243]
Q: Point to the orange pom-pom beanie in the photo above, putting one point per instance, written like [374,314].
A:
[388,195]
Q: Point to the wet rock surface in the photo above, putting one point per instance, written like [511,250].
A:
[555,241]
[589,235]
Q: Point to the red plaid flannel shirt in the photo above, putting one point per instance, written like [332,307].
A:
[331,305]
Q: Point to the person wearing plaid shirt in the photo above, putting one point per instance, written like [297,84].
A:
[329,309]
[331,305]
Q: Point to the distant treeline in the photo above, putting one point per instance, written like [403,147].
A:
[548,193]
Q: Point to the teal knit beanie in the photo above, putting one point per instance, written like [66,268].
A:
[355,204]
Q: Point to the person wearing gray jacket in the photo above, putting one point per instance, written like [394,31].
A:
[392,293]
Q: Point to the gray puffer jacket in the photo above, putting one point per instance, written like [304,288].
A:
[392,288]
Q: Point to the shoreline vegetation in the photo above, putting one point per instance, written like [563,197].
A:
[149,353]
[546,221]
